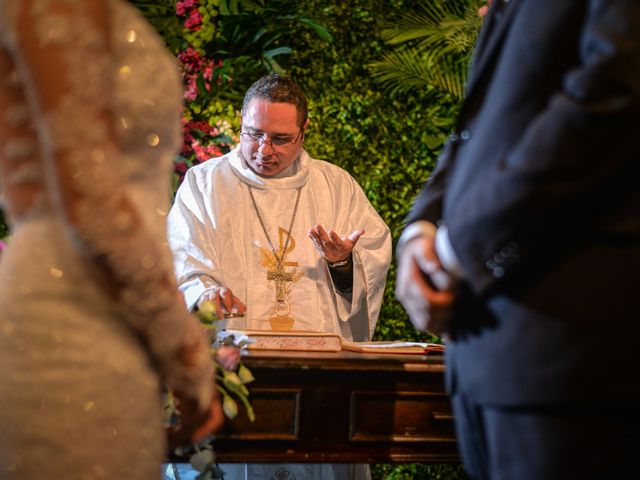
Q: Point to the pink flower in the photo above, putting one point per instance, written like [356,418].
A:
[182,6]
[194,66]
[208,72]
[228,357]
[482,11]
[191,89]
[2,245]
[194,22]
[181,168]
[190,60]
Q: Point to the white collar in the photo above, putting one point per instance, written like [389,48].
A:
[297,178]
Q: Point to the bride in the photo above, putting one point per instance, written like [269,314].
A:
[91,325]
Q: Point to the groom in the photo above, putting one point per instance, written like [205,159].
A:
[524,246]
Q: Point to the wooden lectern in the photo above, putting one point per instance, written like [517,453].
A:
[342,407]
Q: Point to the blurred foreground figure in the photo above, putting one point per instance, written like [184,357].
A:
[532,271]
[91,323]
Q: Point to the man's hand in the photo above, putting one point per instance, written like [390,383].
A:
[331,246]
[227,304]
[423,287]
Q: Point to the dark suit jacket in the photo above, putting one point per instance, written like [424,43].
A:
[538,187]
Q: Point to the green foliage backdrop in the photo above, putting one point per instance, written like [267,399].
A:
[387,138]
[388,142]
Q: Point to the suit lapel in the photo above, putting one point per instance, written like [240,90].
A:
[489,42]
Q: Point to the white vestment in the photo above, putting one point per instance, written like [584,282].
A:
[217,239]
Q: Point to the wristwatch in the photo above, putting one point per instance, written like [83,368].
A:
[340,263]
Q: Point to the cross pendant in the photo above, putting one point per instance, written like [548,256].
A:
[281,278]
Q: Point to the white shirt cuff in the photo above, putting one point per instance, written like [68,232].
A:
[421,228]
[446,254]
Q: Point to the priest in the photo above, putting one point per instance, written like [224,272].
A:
[280,241]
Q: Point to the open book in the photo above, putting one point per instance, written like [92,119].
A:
[309,341]
[416,348]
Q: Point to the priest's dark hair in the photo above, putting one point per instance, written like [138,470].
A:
[278,89]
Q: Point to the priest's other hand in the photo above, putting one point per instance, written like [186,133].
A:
[227,304]
[424,287]
[332,246]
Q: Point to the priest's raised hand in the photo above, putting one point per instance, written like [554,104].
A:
[334,248]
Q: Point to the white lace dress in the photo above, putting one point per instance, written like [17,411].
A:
[90,321]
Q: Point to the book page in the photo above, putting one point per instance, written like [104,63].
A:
[393,347]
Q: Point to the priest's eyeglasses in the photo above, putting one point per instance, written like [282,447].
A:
[275,142]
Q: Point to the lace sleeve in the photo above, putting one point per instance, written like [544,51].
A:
[63,54]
